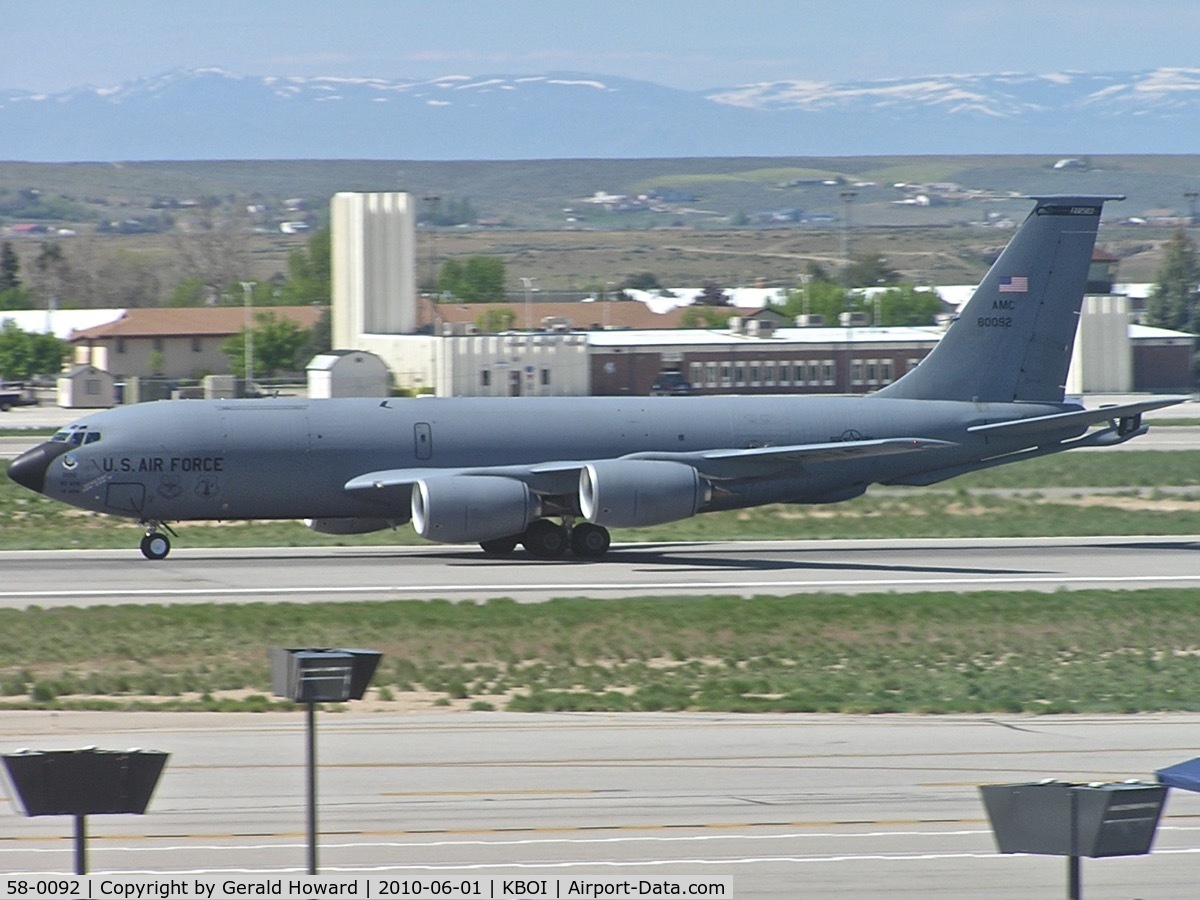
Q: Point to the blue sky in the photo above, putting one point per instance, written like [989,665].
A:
[51,45]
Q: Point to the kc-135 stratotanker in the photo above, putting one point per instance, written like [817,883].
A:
[554,474]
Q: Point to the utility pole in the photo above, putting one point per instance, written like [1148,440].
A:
[435,206]
[530,286]
[248,291]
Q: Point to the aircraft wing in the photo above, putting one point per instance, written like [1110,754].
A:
[562,477]
[1082,417]
[756,461]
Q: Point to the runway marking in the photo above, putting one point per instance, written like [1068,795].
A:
[910,856]
[628,835]
[651,587]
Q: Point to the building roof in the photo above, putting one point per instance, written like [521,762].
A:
[582,315]
[199,321]
[59,322]
[782,337]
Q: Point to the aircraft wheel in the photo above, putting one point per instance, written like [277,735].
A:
[500,546]
[545,540]
[156,545]
[589,541]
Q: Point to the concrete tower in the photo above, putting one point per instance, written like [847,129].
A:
[373,262]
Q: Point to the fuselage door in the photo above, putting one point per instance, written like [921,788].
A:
[423,440]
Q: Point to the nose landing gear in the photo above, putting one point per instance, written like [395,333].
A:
[155,544]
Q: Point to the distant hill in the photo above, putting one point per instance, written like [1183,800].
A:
[595,194]
[212,114]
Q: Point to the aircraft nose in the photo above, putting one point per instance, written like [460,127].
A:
[29,469]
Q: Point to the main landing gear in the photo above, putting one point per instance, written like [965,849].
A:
[545,539]
[155,544]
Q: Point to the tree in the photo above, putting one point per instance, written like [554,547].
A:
[644,281]
[1173,300]
[16,298]
[10,268]
[820,297]
[869,271]
[189,292]
[908,305]
[278,346]
[480,279]
[712,295]
[214,251]
[12,295]
[52,272]
[310,273]
[495,320]
[320,336]
[24,354]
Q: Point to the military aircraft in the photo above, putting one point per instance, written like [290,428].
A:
[554,474]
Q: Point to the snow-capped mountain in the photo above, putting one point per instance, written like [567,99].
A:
[212,114]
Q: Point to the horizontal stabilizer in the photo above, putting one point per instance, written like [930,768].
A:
[1081,418]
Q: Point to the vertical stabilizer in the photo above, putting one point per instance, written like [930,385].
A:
[1013,339]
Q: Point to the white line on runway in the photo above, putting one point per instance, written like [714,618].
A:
[910,856]
[593,863]
[519,842]
[648,586]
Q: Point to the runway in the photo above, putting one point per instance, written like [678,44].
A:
[242,575]
[780,806]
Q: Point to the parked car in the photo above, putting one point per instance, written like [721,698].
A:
[670,384]
[16,394]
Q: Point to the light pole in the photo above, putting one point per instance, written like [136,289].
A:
[248,291]
[530,286]
[608,286]
[847,198]
[435,206]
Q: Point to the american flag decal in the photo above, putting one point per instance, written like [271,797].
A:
[1014,284]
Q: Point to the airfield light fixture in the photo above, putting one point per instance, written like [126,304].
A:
[1056,818]
[311,676]
[84,782]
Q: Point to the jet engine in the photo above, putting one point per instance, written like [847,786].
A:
[357,525]
[627,493]
[465,508]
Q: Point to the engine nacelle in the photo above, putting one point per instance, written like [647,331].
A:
[625,493]
[356,525]
[459,509]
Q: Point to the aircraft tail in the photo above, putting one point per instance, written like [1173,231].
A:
[1013,339]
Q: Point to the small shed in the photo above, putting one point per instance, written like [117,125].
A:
[348,373]
[86,387]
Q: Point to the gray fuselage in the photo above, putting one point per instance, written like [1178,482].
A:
[284,458]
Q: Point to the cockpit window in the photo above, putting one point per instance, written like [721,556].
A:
[76,435]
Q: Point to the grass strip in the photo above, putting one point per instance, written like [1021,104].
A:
[1016,652]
